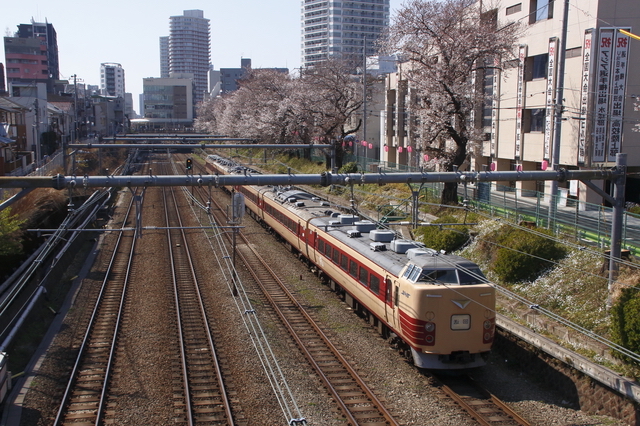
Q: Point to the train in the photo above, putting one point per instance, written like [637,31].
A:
[437,309]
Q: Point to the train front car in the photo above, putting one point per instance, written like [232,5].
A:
[446,310]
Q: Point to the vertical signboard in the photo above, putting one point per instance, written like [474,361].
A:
[522,55]
[550,95]
[603,75]
[618,86]
[495,106]
[584,96]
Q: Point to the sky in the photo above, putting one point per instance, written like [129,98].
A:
[127,32]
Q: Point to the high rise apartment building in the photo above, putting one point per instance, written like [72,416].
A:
[188,49]
[112,80]
[341,28]
[31,55]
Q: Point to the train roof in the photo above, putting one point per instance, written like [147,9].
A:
[381,245]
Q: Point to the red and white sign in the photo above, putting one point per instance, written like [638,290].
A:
[603,83]
[522,56]
[587,52]
[618,87]
[550,94]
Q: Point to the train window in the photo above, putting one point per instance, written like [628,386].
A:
[415,273]
[327,250]
[396,295]
[441,275]
[474,276]
[353,269]
[364,276]
[387,295]
[374,284]
[344,262]
[407,271]
[321,246]
[336,256]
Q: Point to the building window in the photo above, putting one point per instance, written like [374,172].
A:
[536,67]
[572,53]
[535,119]
[514,9]
[540,10]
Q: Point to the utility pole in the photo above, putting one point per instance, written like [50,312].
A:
[555,153]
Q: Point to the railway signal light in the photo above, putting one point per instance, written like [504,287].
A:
[189,163]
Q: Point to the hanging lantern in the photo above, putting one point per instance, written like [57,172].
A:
[399,149]
[386,148]
[350,143]
[426,157]
[519,168]
[370,146]
[493,166]
[545,165]
[364,143]
[409,148]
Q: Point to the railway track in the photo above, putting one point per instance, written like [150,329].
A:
[86,392]
[356,401]
[200,396]
[480,404]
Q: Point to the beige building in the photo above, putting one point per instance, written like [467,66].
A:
[601,85]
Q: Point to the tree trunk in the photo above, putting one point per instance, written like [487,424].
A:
[450,193]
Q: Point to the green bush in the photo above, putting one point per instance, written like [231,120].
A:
[349,168]
[450,238]
[625,319]
[528,256]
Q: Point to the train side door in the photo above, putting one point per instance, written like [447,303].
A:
[392,296]
[388,308]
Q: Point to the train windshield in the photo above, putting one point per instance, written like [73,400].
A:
[452,276]
[471,276]
[444,276]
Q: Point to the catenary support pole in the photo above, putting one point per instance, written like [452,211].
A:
[619,186]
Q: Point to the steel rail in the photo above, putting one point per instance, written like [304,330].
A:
[208,333]
[379,405]
[63,409]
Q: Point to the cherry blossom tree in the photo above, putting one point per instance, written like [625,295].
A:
[318,106]
[444,41]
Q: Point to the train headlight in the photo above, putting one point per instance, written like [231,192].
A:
[487,337]
[429,327]
[487,324]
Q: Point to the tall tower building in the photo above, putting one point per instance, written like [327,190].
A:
[164,57]
[340,29]
[112,80]
[32,55]
[189,48]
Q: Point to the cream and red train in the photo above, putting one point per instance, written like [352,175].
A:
[435,307]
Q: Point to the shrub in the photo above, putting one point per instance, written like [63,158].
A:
[625,319]
[528,256]
[351,167]
[449,239]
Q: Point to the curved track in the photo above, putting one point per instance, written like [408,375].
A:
[484,407]
[356,401]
